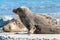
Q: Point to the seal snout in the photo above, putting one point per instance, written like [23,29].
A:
[18,9]
[15,10]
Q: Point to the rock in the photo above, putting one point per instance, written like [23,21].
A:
[15,26]
[36,23]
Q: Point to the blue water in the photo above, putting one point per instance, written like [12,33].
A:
[40,6]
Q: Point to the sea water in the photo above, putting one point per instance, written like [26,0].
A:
[51,7]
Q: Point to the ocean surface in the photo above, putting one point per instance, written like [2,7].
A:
[51,7]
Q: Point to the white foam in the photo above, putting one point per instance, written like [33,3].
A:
[5,18]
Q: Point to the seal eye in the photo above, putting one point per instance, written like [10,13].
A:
[19,9]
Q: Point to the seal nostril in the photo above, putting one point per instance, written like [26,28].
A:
[14,10]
